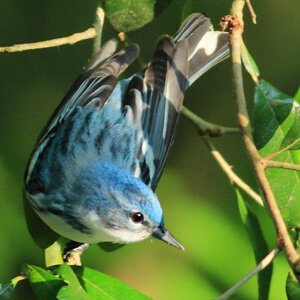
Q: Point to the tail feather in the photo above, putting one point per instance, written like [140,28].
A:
[206,46]
[212,49]
[156,73]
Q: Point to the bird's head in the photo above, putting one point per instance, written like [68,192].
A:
[128,209]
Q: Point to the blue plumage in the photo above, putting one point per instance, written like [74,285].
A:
[93,173]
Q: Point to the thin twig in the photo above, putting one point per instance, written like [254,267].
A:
[217,130]
[283,239]
[231,175]
[206,128]
[98,25]
[72,39]
[270,156]
[280,164]
[262,265]
[251,10]
[287,148]
[90,33]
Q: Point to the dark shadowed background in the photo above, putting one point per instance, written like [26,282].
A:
[199,204]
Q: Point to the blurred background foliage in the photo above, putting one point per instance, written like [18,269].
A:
[199,203]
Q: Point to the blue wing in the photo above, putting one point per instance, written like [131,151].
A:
[150,100]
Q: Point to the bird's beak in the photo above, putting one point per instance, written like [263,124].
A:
[164,235]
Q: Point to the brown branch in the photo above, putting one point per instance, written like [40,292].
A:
[72,39]
[284,241]
[251,10]
[206,128]
[231,175]
[280,164]
[90,33]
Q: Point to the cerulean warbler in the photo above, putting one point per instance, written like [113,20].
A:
[93,173]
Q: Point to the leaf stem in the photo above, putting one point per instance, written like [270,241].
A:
[262,265]
[231,175]
[206,128]
[284,241]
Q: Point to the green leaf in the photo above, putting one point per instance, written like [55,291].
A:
[128,15]
[74,289]
[259,244]
[53,254]
[44,284]
[6,289]
[292,288]
[297,96]
[292,139]
[96,284]
[42,235]
[109,247]
[274,115]
[249,63]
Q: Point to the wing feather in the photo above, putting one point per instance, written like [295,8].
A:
[156,95]
[96,83]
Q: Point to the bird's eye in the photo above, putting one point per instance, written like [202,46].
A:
[137,217]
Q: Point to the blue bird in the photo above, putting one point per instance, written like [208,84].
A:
[93,173]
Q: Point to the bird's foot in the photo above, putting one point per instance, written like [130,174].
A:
[72,252]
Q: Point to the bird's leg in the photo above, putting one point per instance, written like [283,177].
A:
[72,252]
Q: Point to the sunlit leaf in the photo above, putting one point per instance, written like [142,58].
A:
[44,284]
[96,284]
[259,244]
[128,15]
[53,254]
[274,115]
[292,139]
[292,288]
[73,289]
[297,96]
